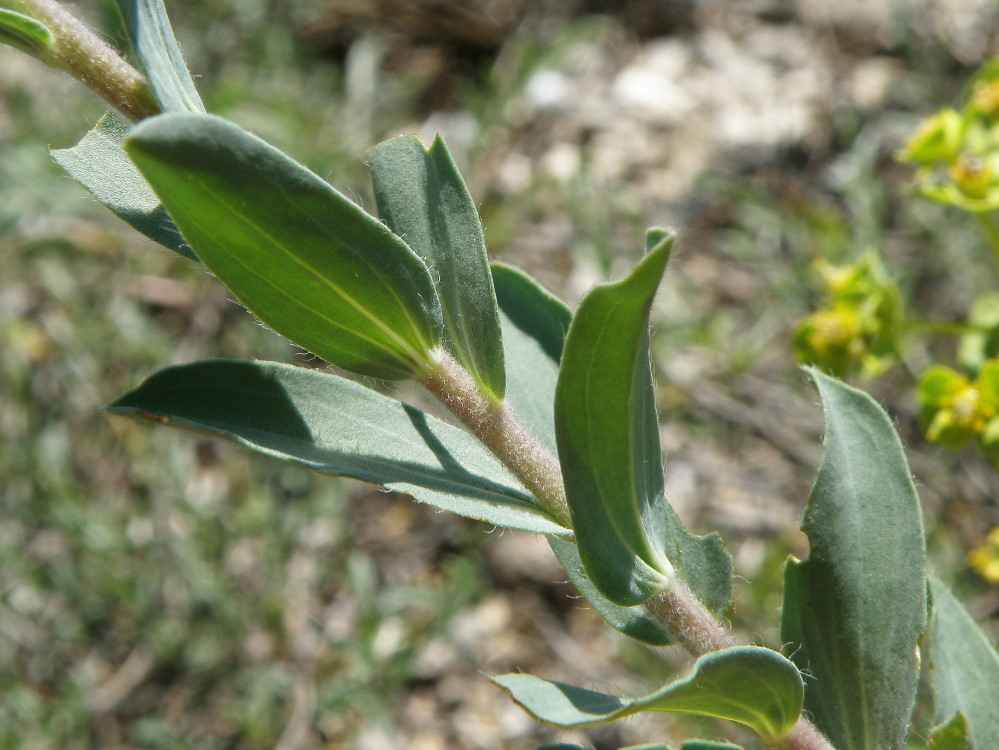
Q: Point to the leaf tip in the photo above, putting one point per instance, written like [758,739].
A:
[656,237]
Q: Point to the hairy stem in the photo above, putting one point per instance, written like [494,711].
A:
[689,621]
[682,613]
[79,52]
[495,425]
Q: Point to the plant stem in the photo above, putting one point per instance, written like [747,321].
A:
[495,425]
[682,613]
[689,621]
[79,52]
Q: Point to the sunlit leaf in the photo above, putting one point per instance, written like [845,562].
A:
[952,734]
[25,33]
[749,685]
[299,255]
[630,540]
[534,327]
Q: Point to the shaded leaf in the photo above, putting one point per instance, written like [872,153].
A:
[159,55]
[26,34]
[636,622]
[629,539]
[952,734]
[534,326]
[299,255]
[749,685]
[964,669]
[424,200]
[99,164]
[855,610]
[335,426]
[708,745]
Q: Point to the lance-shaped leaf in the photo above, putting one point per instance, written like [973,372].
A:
[299,255]
[423,199]
[964,669]
[26,34]
[854,611]
[98,163]
[159,55]
[534,327]
[336,426]
[749,685]
[629,539]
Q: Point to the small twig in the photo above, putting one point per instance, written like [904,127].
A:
[110,693]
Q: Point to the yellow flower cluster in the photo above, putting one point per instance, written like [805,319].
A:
[985,558]
[957,152]
[857,327]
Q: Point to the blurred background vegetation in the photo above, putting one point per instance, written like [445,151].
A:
[161,590]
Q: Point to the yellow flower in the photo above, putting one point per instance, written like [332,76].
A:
[984,559]
[972,175]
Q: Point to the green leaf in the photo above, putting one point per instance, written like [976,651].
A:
[424,200]
[98,163]
[299,255]
[749,685]
[964,669]
[636,622]
[534,327]
[159,55]
[952,734]
[26,34]
[708,745]
[629,539]
[335,426]
[855,610]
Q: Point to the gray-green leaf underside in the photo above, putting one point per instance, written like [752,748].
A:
[336,426]
[424,200]
[99,164]
[158,55]
[964,670]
